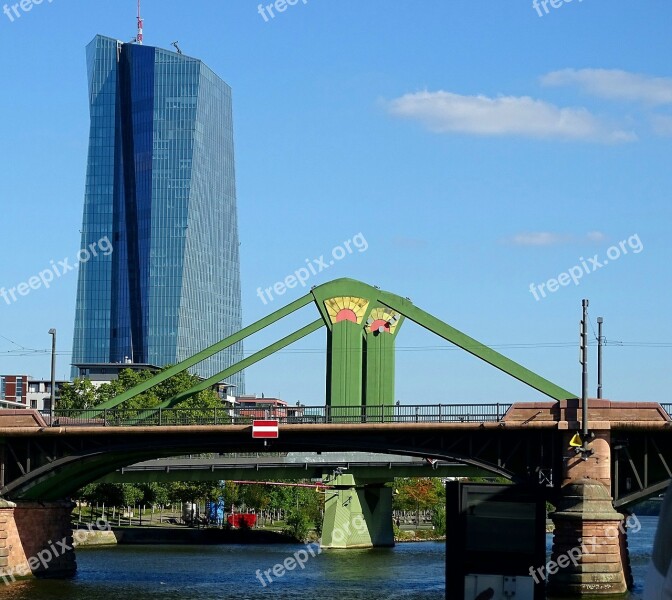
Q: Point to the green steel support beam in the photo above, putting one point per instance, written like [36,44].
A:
[379,374]
[345,372]
[379,357]
[345,355]
[208,352]
[243,364]
[350,287]
[461,340]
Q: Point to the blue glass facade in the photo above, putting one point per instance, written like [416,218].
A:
[160,185]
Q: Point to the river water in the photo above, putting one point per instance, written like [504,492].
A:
[410,571]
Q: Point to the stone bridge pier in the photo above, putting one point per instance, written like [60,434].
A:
[590,539]
[36,540]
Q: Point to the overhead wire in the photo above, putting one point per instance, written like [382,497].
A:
[28,352]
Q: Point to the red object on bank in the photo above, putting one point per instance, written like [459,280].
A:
[264,429]
[242,520]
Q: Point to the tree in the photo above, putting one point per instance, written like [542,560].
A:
[154,494]
[181,491]
[111,494]
[231,493]
[419,494]
[439,520]
[297,524]
[255,496]
[415,494]
[82,394]
[78,395]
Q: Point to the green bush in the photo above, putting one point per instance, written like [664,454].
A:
[439,521]
[297,525]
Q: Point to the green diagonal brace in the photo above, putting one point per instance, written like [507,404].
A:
[341,287]
[492,357]
[208,352]
[243,364]
[351,287]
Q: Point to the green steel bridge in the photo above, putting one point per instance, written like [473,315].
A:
[47,461]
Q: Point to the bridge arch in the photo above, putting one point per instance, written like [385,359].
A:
[81,456]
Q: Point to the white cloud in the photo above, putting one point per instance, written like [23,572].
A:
[615,84]
[595,236]
[662,125]
[409,243]
[547,238]
[445,112]
[540,238]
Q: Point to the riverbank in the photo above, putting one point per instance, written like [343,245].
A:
[180,536]
[183,536]
[404,540]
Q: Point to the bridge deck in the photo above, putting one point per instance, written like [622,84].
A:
[526,442]
[566,414]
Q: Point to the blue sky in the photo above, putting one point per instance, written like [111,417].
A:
[476,146]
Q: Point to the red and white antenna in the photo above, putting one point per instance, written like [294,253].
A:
[140,24]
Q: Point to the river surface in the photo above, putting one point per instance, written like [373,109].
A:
[410,571]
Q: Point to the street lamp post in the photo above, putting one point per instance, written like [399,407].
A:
[52,333]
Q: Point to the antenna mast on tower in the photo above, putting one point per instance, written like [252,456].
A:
[140,24]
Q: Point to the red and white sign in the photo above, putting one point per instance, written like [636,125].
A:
[264,429]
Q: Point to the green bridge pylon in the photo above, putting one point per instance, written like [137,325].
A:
[362,323]
[360,345]
[357,513]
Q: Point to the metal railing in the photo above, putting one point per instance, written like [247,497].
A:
[437,413]
[667,408]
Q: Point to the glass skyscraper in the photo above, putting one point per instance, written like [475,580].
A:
[160,186]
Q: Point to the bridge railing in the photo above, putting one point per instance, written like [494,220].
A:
[436,413]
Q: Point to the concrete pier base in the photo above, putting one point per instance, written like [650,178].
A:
[36,540]
[357,514]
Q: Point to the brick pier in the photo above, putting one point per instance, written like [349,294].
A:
[590,549]
[585,519]
[36,540]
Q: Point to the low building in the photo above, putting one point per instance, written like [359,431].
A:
[260,408]
[223,390]
[266,408]
[22,391]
